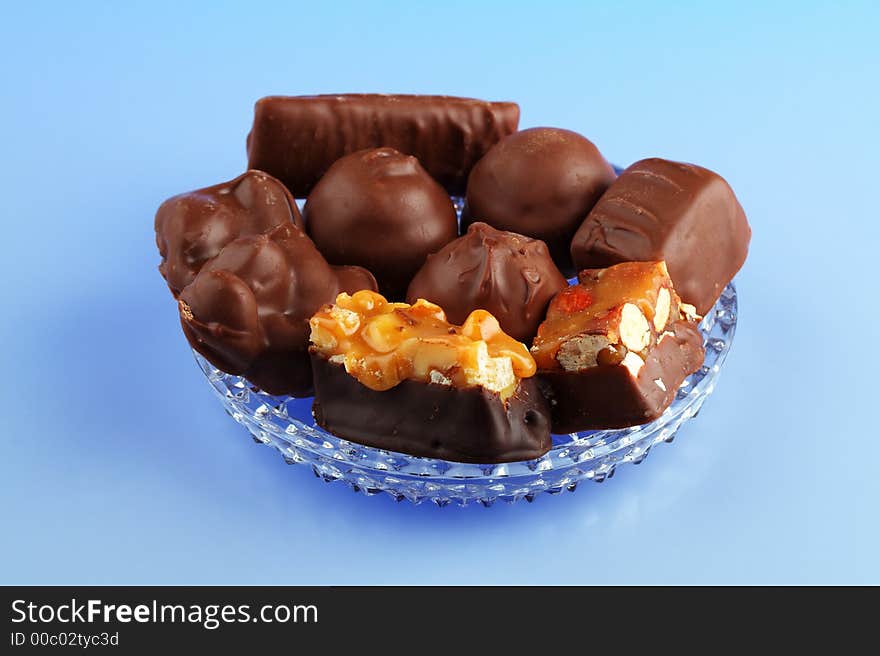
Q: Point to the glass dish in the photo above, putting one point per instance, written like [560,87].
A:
[286,424]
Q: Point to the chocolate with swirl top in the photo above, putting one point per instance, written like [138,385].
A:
[510,275]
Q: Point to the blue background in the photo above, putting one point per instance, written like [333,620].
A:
[118,465]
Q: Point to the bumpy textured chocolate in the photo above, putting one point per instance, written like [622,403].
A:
[379,209]
[432,420]
[510,275]
[540,182]
[193,227]
[298,138]
[609,397]
[663,210]
[248,309]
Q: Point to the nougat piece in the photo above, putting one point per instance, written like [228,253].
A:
[615,347]
[683,214]
[401,377]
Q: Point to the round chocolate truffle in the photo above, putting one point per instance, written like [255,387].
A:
[510,275]
[248,309]
[381,210]
[193,227]
[540,182]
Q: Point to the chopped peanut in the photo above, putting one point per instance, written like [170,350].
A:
[382,344]
[608,315]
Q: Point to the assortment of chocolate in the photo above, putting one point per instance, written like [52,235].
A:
[471,348]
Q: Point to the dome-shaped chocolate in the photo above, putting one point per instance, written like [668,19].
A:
[540,182]
[193,227]
[510,275]
[381,210]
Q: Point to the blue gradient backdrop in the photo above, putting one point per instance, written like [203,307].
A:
[117,464]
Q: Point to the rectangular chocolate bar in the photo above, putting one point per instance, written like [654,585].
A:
[297,138]
[662,210]
[400,377]
[615,347]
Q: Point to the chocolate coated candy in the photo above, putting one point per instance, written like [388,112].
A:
[298,138]
[193,227]
[248,309]
[615,347]
[540,182]
[432,420]
[379,209]
[663,210]
[510,275]
[628,305]
[612,397]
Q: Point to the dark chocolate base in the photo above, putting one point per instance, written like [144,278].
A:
[609,397]
[431,420]
[274,372]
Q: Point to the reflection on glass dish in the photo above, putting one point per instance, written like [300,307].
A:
[286,424]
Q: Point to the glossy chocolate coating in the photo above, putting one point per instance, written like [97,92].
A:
[607,396]
[379,209]
[431,420]
[298,138]
[663,210]
[193,227]
[248,309]
[541,183]
[510,275]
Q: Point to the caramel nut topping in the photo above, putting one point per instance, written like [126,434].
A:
[662,309]
[690,312]
[382,344]
[634,363]
[609,315]
[611,356]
